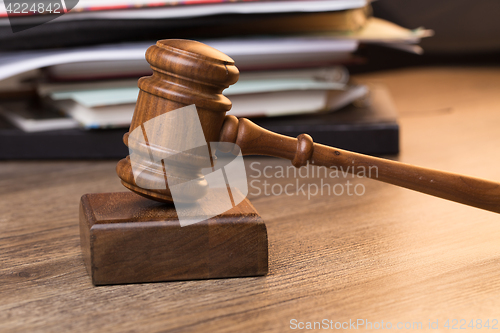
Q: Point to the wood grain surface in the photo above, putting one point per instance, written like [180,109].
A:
[391,254]
[301,151]
[127,238]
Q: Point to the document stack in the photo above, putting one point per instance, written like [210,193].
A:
[70,84]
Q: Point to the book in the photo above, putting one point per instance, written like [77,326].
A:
[180,19]
[337,74]
[97,70]
[248,53]
[102,111]
[382,32]
[371,128]
[294,102]
[345,21]
[265,104]
[95,9]
[19,85]
[273,93]
[119,115]
[255,53]
[33,118]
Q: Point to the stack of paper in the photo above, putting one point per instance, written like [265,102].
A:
[111,104]
[290,53]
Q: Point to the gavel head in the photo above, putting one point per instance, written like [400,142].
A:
[163,140]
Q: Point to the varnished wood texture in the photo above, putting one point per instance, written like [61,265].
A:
[126,238]
[254,140]
[392,254]
[185,72]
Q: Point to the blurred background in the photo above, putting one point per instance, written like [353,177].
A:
[68,75]
[466,32]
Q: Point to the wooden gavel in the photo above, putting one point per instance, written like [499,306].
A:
[188,72]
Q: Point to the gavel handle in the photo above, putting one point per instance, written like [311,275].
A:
[254,140]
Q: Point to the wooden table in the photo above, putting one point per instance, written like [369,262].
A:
[390,255]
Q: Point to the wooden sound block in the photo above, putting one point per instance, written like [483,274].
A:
[126,238]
